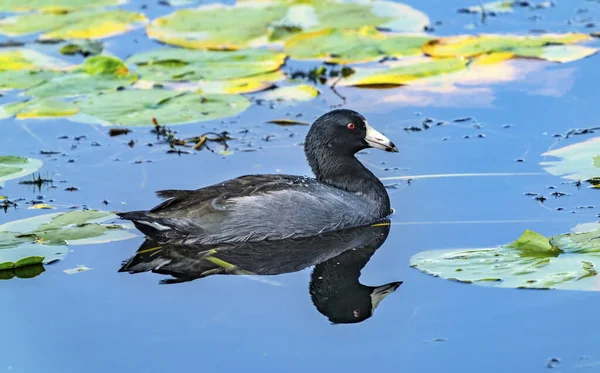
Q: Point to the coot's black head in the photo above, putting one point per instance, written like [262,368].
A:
[344,132]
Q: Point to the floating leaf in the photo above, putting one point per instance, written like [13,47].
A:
[139,107]
[24,68]
[250,23]
[13,167]
[87,24]
[404,73]
[300,92]
[80,268]
[53,6]
[43,239]
[351,46]
[39,108]
[542,47]
[42,206]
[85,48]
[567,261]
[491,7]
[176,64]
[96,74]
[577,162]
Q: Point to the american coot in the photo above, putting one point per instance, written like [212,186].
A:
[338,257]
[270,207]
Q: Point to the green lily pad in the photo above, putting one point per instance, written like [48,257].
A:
[251,23]
[39,108]
[53,6]
[139,107]
[96,74]
[176,64]
[352,46]
[541,47]
[13,167]
[404,72]
[86,24]
[567,261]
[577,162]
[43,239]
[23,68]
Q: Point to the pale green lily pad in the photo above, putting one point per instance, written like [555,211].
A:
[139,107]
[23,68]
[542,47]
[491,7]
[403,73]
[13,167]
[176,64]
[353,46]
[53,6]
[96,74]
[39,108]
[577,162]
[43,239]
[251,23]
[567,261]
[299,93]
[87,24]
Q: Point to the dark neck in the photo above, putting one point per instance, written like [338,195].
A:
[347,173]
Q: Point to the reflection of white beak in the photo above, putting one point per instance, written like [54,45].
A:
[377,140]
[381,292]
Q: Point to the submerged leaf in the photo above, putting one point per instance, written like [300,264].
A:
[350,46]
[86,24]
[250,23]
[566,261]
[13,167]
[139,107]
[577,162]
[542,47]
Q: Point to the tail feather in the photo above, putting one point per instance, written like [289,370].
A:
[149,225]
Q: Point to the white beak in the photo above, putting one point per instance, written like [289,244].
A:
[377,140]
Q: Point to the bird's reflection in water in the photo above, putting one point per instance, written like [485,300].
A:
[338,258]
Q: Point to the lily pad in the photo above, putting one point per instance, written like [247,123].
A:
[176,64]
[251,23]
[567,261]
[404,72]
[39,108]
[43,239]
[87,24]
[24,68]
[53,6]
[541,47]
[84,47]
[352,46]
[96,74]
[579,161]
[13,167]
[300,92]
[139,107]
[493,7]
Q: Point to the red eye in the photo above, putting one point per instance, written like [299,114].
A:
[351,126]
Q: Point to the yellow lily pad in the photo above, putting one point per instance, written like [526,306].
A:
[403,73]
[352,46]
[53,6]
[251,23]
[542,47]
[300,92]
[176,64]
[87,24]
[139,107]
